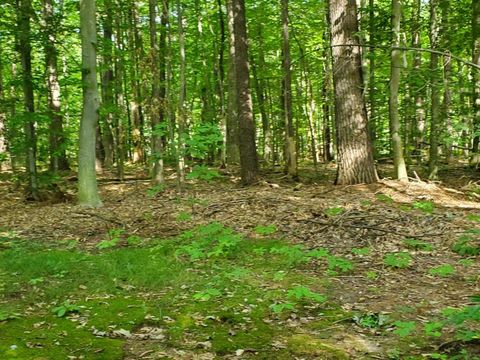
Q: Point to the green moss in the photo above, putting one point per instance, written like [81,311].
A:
[304,344]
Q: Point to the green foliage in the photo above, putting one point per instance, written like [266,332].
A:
[65,308]
[207,294]
[403,328]
[281,307]
[442,270]
[418,245]
[318,253]
[294,255]
[361,251]
[398,260]
[425,206]
[433,328]
[113,239]
[209,241]
[473,217]
[300,293]
[155,190]
[371,320]
[384,198]
[265,230]
[184,216]
[468,243]
[334,211]
[339,263]
[203,172]
[206,138]
[6,315]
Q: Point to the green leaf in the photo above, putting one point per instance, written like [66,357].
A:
[404,329]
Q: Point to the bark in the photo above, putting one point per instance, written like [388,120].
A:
[232,146]
[476,78]
[395,75]
[354,147]
[248,155]
[24,13]
[58,157]
[371,76]
[291,166]
[182,115]
[220,71]
[435,91]
[447,75]
[87,182]
[156,100]
[3,117]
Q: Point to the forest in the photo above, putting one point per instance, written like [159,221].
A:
[239,179]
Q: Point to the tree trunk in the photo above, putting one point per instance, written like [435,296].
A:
[58,157]
[435,92]
[3,117]
[232,146]
[156,110]
[291,167]
[24,12]
[476,79]
[182,114]
[395,74]
[87,181]
[354,147]
[447,74]
[248,154]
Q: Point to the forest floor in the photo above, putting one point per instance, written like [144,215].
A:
[279,270]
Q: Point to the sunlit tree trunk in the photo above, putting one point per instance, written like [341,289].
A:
[156,100]
[354,147]
[24,8]
[291,167]
[58,158]
[435,91]
[3,116]
[248,154]
[395,74]
[87,181]
[446,118]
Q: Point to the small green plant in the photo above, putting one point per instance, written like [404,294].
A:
[294,255]
[466,262]
[338,263]
[361,251]
[334,211]
[473,217]
[184,216]
[206,294]
[418,245]
[371,320]
[300,293]
[403,328]
[36,281]
[134,240]
[65,308]
[5,316]
[425,206]
[318,253]
[433,328]
[442,270]
[265,230]
[202,172]
[114,238]
[468,243]
[155,190]
[281,307]
[372,275]
[398,260]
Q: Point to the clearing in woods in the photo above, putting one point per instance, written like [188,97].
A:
[280,270]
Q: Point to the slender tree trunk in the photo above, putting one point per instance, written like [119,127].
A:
[435,92]
[87,181]
[327,95]
[220,71]
[291,166]
[447,74]
[232,147]
[182,115]
[58,157]
[476,80]
[418,126]
[156,100]
[371,76]
[248,153]
[355,152]
[120,101]
[3,116]
[395,74]
[24,13]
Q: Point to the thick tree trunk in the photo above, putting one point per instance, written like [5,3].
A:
[395,74]
[87,181]
[24,12]
[435,91]
[355,153]
[156,105]
[58,157]
[232,146]
[291,167]
[476,79]
[248,153]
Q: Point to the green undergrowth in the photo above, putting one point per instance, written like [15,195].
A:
[208,290]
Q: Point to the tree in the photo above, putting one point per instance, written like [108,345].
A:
[290,143]
[248,153]
[354,147]
[396,65]
[476,77]
[3,116]
[87,181]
